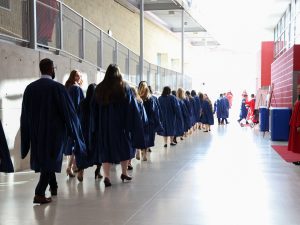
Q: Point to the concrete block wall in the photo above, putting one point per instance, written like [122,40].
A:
[19,66]
[282,73]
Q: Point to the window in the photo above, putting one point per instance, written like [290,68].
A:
[5,4]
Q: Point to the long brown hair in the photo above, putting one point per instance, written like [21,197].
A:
[72,79]
[112,88]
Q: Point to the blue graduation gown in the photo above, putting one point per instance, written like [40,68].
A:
[85,117]
[219,108]
[6,165]
[169,112]
[179,123]
[226,107]
[189,109]
[154,123]
[197,108]
[144,119]
[208,116]
[193,110]
[243,110]
[158,111]
[76,95]
[48,117]
[116,129]
[185,115]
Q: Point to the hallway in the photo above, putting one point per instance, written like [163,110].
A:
[230,176]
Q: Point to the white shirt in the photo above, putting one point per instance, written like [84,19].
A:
[46,76]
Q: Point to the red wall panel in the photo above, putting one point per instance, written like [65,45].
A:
[267,52]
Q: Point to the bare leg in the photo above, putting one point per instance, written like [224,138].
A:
[69,165]
[124,165]
[166,141]
[106,169]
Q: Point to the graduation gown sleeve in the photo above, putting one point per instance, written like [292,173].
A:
[5,161]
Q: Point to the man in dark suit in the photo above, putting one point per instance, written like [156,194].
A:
[48,118]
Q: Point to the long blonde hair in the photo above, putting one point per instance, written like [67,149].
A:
[144,91]
[136,95]
[180,93]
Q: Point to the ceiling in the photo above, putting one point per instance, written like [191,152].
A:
[230,23]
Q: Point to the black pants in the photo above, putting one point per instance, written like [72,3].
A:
[225,120]
[45,179]
[219,120]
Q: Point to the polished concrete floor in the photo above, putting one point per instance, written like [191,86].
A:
[229,176]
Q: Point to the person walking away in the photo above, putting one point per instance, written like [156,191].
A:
[48,117]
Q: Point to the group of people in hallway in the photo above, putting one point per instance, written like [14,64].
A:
[113,124]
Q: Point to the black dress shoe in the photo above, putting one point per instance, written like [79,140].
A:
[40,199]
[296,163]
[165,145]
[98,174]
[125,177]
[173,144]
[129,167]
[107,182]
[53,191]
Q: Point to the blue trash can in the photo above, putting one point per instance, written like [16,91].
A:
[280,123]
[263,118]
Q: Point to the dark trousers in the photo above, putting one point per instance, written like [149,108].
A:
[45,179]
[225,120]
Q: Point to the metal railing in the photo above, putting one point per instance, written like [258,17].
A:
[52,25]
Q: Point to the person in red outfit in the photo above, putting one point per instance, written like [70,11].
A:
[294,136]
[251,106]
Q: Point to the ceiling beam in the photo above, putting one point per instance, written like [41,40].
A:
[188,29]
[161,6]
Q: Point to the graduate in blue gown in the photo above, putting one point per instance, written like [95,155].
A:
[208,116]
[117,125]
[189,110]
[179,126]
[220,109]
[192,108]
[156,102]
[137,151]
[169,112]
[196,107]
[153,116]
[201,110]
[184,110]
[6,165]
[226,109]
[76,94]
[48,118]
[243,109]
[85,117]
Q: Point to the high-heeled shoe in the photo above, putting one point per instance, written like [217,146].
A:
[125,177]
[107,182]
[80,175]
[69,173]
[98,174]
[129,167]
